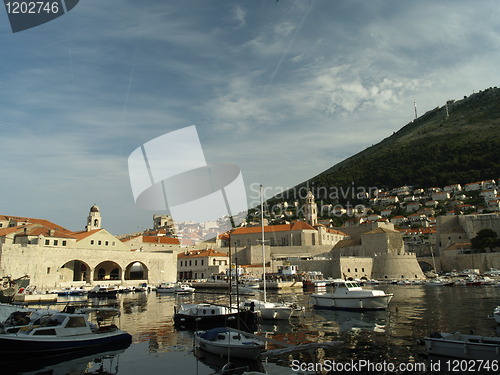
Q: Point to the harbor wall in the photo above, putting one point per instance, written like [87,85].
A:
[396,267]
[452,261]
[53,268]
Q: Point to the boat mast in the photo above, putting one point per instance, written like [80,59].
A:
[263,250]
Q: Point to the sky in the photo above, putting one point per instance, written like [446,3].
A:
[282,89]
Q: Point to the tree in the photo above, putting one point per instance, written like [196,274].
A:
[485,239]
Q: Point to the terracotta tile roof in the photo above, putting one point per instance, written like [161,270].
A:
[201,253]
[160,239]
[46,233]
[296,225]
[84,234]
[42,222]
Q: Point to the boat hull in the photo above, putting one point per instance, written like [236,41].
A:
[330,302]
[12,344]
[247,321]
[464,346]
[231,345]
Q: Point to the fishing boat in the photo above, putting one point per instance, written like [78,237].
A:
[352,297]
[174,288]
[457,345]
[63,332]
[207,316]
[221,341]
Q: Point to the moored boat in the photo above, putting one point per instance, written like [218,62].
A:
[174,288]
[272,310]
[457,345]
[103,290]
[352,297]
[207,316]
[223,342]
[62,332]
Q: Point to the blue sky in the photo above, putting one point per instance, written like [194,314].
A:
[282,89]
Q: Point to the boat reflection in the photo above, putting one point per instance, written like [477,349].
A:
[90,361]
[235,365]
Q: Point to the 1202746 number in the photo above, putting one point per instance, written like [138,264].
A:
[32,7]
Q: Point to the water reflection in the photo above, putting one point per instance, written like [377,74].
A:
[390,336]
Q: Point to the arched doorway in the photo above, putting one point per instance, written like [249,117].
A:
[107,270]
[136,271]
[74,270]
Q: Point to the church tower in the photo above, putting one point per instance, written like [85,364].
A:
[94,219]
[311,210]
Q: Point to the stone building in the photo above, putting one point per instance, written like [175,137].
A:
[56,257]
[200,264]
[375,252]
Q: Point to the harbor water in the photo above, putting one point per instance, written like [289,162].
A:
[380,341]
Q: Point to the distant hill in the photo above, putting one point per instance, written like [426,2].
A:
[433,150]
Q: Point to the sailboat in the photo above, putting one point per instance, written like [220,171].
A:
[270,310]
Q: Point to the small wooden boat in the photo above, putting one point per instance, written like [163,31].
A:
[352,297]
[457,345]
[221,341]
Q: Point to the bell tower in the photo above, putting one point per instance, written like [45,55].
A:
[94,219]
[311,210]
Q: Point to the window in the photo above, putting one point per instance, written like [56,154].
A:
[181,263]
[202,265]
[91,242]
[55,242]
[76,321]
[107,243]
[99,242]
[355,270]
[64,243]
[189,262]
[47,242]
[196,263]
[362,270]
[114,243]
[348,270]
[48,270]
[272,241]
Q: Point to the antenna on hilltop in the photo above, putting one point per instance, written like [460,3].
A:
[415,105]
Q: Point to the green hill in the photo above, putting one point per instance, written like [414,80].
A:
[433,150]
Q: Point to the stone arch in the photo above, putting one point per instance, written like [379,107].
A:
[107,270]
[75,270]
[136,270]
[425,266]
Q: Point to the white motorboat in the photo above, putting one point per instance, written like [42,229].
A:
[352,297]
[174,288]
[457,345]
[62,332]
[271,310]
[223,342]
